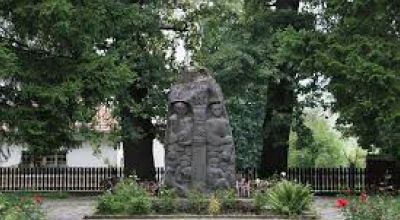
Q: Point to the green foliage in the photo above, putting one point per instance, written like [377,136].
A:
[241,44]
[61,59]
[327,148]
[260,201]
[240,69]
[245,115]
[198,202]
[286,198]
[375,208]
[167,201]
[129,198]
[361,59]
[15,208]
[227,198]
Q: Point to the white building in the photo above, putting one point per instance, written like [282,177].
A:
[88,155]
[85,156]
[105,154]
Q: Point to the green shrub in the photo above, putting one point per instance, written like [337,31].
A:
[15,208]
[286,198]
[128,198]
[375,208]
[227,198]
[198,202]
[260,201]
[167,201]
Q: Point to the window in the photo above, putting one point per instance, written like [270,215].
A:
[53,160]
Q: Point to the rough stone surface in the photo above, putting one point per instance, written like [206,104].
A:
[200,153]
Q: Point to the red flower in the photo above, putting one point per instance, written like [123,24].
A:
[38,199]
[363,197]
[341,202]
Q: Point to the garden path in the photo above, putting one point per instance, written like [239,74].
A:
[325,207]
[71,208]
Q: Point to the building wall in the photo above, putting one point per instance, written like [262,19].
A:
[104,156]
[85,156]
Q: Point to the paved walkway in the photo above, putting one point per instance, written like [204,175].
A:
[325,207]
[74,208]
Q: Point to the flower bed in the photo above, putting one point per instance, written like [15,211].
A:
[20,207]
[129,200]
[265,216]
[364,207]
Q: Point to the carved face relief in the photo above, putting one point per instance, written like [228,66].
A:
[180,108]
[216,109]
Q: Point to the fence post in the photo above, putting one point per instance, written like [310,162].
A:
[352,175]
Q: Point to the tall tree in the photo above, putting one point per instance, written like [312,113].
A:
[63,58]
[356,47]
[241,44]
[226,48]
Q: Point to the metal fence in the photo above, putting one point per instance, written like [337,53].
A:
[69,179]
[84,179]
[330,180]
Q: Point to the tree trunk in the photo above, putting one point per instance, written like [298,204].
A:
[138,133]
[277,122]
[138,151]
[278,116]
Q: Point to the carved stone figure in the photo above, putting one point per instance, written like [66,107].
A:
[181,125]
[200,153]
[218,129]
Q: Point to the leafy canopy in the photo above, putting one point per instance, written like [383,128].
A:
[356,47]
[60,59]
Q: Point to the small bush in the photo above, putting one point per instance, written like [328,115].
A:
[15,208]
[128,198]
[214,206]
[285,198]
[227,198]
[260,201]
[167,201]
[198,202]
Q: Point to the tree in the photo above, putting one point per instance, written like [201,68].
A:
[62,58]
[241,44]
[328,147]
[357,48]
[221,44]
[282,92]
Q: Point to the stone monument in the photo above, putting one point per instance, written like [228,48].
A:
[200,154]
